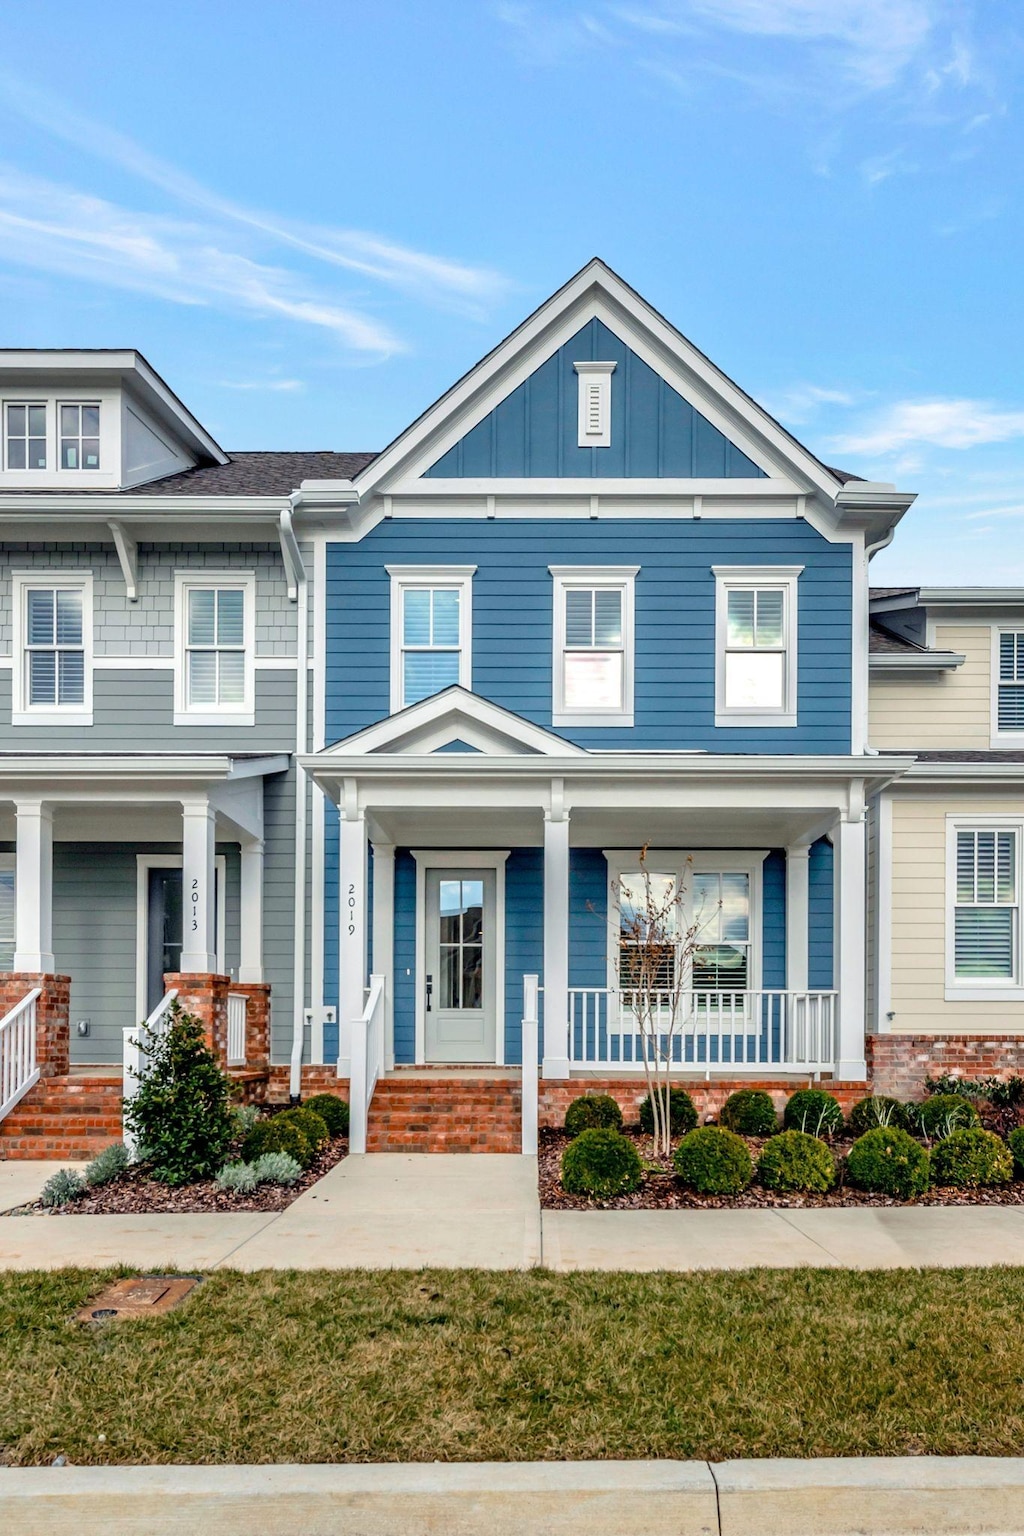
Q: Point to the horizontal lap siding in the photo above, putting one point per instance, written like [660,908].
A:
[919,916]
[588,918]
[524,938]
[279,906]
[820,909]
[675,622]
[944,711]
[405,956]
[773,934]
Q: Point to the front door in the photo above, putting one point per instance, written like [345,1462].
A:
[461,1004]
[164,931]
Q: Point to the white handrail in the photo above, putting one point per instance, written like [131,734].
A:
[531,1066]
[19,1070]
[134,1043]
[367,1063]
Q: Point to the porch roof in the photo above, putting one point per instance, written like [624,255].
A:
[59,772]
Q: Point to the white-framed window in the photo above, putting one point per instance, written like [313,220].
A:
[79,434]
[593,663]
[7,910]
[715,893]
[983,908]
[594,404]
[431,631]
[756,645]
[52,663]
[1008,686]
[215,667]
[25,434]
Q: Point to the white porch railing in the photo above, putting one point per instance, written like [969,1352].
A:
[135,1046]
[367,1063]
[18,1069]
[714,1031]
[238,1008]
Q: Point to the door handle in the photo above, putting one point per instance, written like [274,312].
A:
[430,988]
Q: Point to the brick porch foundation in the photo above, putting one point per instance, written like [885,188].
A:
[556,1094]
[899,1064]
[53,1011]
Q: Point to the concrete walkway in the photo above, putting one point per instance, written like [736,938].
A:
[413,1211]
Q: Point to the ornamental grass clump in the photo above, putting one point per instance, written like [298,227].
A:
[868,1114]
[814,1112]
[797,1163]
[106,1165]
[61,1188]
[971,1159]
[601,1163]
[332,1111]
[180,1112]
[682,1113]
[942,1114]
[714,1161]
[593,1110]
[888,1161]
[749,1112]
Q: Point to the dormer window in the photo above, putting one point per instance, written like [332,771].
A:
[595,404]
[24,434]
[79,436]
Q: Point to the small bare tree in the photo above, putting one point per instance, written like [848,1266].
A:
[654,949]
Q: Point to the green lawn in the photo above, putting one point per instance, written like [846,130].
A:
[441,1365]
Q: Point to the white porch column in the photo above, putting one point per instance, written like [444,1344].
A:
[33,884]
[849,849]
[199,917]
[556,937]
[250,957]
[384,938]
[797,916]
[351,922]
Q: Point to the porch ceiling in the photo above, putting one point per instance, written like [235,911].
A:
[627,827]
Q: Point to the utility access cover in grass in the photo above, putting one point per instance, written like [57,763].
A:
[140,1296]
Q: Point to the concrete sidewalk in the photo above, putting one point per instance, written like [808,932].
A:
[412,1211]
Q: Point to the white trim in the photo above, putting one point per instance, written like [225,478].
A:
[199,579]
[798,917]
[975,990]
[859,642]
[883,914]
[594,404]
[452,714]
[1000,738]
[108,663]
[619,578]
[144,862]
[406,577]
[729,578]
[461,858]
[23,713]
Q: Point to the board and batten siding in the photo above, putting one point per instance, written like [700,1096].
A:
[919,915]
[937,711]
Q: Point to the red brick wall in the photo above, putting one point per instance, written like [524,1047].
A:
[257,1021]
[207,998]
[557,1094]
[315,1079]
[899,1064]
[53,1010]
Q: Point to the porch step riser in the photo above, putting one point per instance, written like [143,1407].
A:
[445,1116]
[63,1118]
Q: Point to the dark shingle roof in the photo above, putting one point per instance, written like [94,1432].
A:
[1000,756]
[842,475]
[882,642]
[261,474]
[893,591]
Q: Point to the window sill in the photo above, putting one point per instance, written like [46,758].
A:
[969,994]
[224,717]
[51,717]
[734,718]
[591,718]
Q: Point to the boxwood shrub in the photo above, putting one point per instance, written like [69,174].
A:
[1015,1142]
[592,1110]
[312,1126]
[868,1114]
[682,1113]
[279,1133]
[942,1114]
[814,1112]
[601,1163]
[888,1161]
[332,1111]
[970,1158]
[714,1161]
[749,1112]
[796,1161]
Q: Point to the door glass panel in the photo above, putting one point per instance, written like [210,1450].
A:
[460,942]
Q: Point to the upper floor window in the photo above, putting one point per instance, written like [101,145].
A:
[593,645]
[431,627]
[24,435]
[1009,700]
[215,681]
[79,436]
[984,907]
[53,660]
[755,649]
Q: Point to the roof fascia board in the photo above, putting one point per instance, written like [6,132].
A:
[971,597]
[894,604]
[926,661]
[964,773]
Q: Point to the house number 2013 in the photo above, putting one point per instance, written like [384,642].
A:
[351,911]
[195,906]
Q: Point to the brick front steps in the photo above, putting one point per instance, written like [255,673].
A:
[73,1117]
[446,1112]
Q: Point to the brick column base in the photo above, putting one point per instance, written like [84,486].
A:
[899,1064]
[207,998]
[53,1013]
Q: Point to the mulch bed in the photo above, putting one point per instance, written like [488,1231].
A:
[135,1194]
[662,1191]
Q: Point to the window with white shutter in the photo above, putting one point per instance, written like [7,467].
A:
[593,645]
[52,662]
[215,663]
[986,916]
[1010,682]
[756,645]
[431,631]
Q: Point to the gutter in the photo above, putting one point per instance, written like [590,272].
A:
[926,661]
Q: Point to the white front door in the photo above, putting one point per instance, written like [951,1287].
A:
[461,1002]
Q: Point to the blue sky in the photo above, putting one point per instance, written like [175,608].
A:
[313,217]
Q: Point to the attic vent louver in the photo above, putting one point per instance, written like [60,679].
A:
[595,404]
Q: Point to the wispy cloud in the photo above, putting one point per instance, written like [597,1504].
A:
[956,424]
[263,386]
[801,402]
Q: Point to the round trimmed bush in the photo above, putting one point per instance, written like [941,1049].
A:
[593,1111]
[312,1126]
[749,1112]
[714,1161]
[971,1158]
[796,1161]
[682,1113]
[814,1112]
[888,1161]
[279,1133]
[1015,1142]
[869,1114]
[601,1163]
[943,1114]
[332,1111]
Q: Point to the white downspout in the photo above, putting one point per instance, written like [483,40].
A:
[298,576]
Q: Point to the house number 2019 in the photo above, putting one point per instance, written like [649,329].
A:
[195,906]
[351,911]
